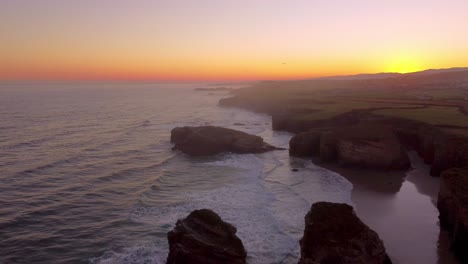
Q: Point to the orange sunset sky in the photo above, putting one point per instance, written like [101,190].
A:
[227,39]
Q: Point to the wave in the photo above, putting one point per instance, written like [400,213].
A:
[141,254]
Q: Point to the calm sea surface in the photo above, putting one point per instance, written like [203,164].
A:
[87,175]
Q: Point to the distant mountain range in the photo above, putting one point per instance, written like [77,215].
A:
[386,75]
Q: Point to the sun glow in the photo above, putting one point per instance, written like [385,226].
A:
[405,65]
[206,40]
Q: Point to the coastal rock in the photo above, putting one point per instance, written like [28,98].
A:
[439,149]
[366,146]
[334,234]
[382,153]
[204,238]
[305,144]
[327,148]
[210,140]
[451,152]
[453,208]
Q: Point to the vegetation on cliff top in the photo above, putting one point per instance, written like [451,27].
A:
[439,99]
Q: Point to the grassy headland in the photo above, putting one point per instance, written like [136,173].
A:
[347,121]
[432,97]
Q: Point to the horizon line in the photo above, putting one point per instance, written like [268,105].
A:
[150,81]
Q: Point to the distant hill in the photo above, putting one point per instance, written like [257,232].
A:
[455,72]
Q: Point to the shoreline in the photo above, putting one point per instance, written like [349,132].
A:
[402,210]
[322,122]
[393,198]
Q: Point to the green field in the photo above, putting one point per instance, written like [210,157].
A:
[431,99]
[435,115]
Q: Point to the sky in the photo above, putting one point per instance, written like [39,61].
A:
[227,39]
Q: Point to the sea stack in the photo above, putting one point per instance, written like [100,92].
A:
[211,140]
[334,234]
[204,238]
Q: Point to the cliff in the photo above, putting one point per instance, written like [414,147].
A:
[453,207]
[364,146]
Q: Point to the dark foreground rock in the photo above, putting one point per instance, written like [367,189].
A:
[204,238]
[210,140]
[365,146]
[334,234]
[453,207]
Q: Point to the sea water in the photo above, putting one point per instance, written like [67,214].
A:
[88,175]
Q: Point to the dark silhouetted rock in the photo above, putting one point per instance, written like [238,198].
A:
[365,146]
[305,144]
[295,170]
[335,235]
[453,208]
[210,140]
[376,148]
[204,238]
[443,151]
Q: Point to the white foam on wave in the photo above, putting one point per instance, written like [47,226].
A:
[266,206]
[244,206]
[267,202]
[251,163]
[137,254]
[268,210]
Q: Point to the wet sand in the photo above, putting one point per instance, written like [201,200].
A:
[402,210]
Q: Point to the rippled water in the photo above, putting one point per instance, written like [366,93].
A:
[88,176]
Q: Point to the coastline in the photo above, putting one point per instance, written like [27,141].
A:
[402,210]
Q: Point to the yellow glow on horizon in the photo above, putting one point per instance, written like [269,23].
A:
[206,40]
[405,64]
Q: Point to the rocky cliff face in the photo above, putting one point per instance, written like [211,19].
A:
[440,150]
[204,238]
[305,144]
[334,234]
[359,146]
[453,207]
[210,140]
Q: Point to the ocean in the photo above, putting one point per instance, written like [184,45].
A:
[88,175]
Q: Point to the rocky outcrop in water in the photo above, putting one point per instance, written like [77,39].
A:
[305,144]
[210,140]
[334,234]
[365,146]
[204,238]
[453,207]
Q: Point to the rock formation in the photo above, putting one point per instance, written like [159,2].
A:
[210,140]
[305,144]
[452,204]
[366,146]
[204,238]
[439,149]
[334,234]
